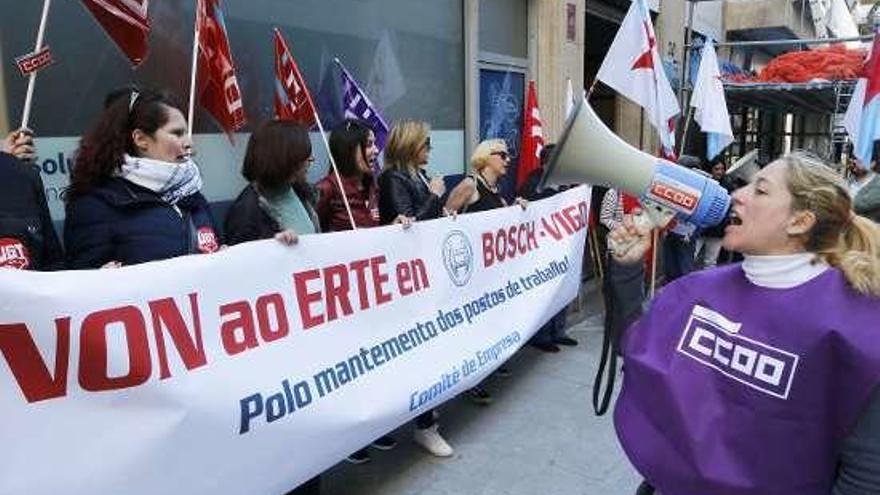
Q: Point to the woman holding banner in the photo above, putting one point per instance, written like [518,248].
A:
[134,192]
[479,192]
[762,377]
[27,238]
[278,201]
[489,162]
[353,146]
[404,186]
[406,192]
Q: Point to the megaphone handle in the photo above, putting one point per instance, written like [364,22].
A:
[653,216]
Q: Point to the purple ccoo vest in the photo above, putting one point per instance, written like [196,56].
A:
[734,389]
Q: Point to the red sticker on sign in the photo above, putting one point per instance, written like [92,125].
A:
[674,195]
[34,61]
[207,240]
[13,254]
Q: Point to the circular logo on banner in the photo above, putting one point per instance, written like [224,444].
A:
[458,257]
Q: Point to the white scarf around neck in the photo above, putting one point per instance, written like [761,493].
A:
[170,180]
[782,271]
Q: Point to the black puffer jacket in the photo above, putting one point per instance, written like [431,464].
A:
[27,239]
[402,194]
[121,221]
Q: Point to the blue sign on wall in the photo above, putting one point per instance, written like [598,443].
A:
[501,116]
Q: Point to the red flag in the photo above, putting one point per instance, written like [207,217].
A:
[292,98]
[126,22]
[532,138]
[218,92]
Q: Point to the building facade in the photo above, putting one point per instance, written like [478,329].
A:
[460,65]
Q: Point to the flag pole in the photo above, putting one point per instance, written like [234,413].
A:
[655,240]
[330,155]
[596,253]
[687,123]
[29,96]
[193,71]
[333,166]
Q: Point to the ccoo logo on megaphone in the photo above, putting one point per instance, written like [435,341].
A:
[589,152]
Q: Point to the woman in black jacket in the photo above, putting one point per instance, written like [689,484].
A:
[406,192]
[278,201]
[134,192]
[404,187]
[27,238]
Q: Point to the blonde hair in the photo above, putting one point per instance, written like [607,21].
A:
[404,143]
[483,152]
[839,237]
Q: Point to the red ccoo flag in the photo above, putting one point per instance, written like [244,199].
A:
[126,22]
[218,92]
[292,98]
[532,138]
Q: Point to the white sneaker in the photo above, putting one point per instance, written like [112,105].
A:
[431,441]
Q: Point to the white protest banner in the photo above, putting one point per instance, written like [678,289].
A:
[252,369]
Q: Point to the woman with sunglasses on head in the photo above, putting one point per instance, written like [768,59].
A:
[135,192]
[762,377]
[479,192]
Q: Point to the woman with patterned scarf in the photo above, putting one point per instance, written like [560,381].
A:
[134,194]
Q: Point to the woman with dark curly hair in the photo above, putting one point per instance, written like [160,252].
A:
[134,193]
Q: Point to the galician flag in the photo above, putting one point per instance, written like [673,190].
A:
[710,107]
[633,69]
[863,113]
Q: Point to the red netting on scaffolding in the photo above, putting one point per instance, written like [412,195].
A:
[833,63]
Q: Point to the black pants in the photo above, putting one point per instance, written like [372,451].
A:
[425,420]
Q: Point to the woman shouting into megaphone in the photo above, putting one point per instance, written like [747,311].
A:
[762,377]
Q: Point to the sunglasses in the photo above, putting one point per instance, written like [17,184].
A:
[502,154]
[427,144]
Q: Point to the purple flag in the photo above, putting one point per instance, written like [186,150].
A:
[358,106]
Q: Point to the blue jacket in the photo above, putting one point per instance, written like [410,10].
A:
[121,221]
[27,238]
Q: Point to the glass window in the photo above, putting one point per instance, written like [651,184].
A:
[504,27]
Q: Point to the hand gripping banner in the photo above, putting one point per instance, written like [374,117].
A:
[250,370]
